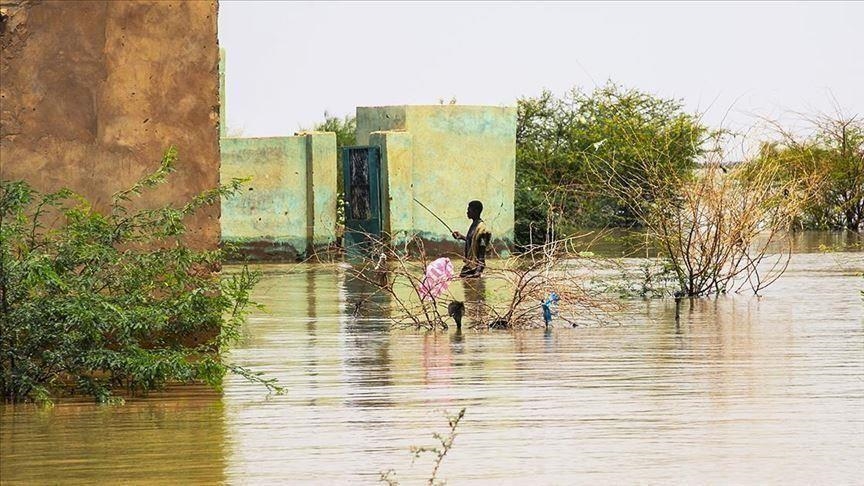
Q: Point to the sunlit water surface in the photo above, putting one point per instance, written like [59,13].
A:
[741,390]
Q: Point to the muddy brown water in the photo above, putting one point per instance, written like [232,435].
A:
[741,390]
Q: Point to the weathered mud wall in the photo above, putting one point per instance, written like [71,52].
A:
[92,93]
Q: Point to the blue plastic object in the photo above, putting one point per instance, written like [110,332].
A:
[549,306]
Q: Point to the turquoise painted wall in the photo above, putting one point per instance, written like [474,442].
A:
[289,207]
[457,153]
[272,207]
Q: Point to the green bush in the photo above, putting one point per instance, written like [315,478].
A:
[94,303]
[570,149]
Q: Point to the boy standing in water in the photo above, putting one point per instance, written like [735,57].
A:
[476,242]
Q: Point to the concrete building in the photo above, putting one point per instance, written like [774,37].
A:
[93,93]
[444,156]
[288,209]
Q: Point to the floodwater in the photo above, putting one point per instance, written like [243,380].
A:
[740,390]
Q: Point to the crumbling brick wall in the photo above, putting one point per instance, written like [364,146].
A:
[92,93]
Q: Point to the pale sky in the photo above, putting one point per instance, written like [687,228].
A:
[288,62]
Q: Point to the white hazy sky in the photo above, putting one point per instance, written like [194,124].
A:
[288,62]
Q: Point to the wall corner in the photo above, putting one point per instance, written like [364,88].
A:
[320,190]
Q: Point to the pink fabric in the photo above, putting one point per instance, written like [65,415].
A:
[437,279]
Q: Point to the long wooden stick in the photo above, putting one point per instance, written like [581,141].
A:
[433,214]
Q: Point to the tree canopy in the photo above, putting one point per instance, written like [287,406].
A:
[569,148]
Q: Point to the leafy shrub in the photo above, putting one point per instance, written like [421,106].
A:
[93,303]
[570,148]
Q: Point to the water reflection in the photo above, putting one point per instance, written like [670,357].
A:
[457,341]
[366,355]
[177,436]
[476,307]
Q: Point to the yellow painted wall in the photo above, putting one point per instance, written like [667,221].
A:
[320,188]
[458,153]
[397,192]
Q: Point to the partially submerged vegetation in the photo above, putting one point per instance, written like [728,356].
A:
[623,158]
[524,283]
[571,151]
[438,451]
[99,303]
[717,227]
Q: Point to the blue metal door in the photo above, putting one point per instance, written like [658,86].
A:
[362,177]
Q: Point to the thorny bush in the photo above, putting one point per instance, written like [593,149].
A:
[522,283]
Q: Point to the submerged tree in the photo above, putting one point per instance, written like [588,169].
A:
[113,301]
[723,229]
[524,283]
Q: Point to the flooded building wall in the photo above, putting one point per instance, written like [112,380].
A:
[288,209]
[397,170]
[93,93]
[454,154]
